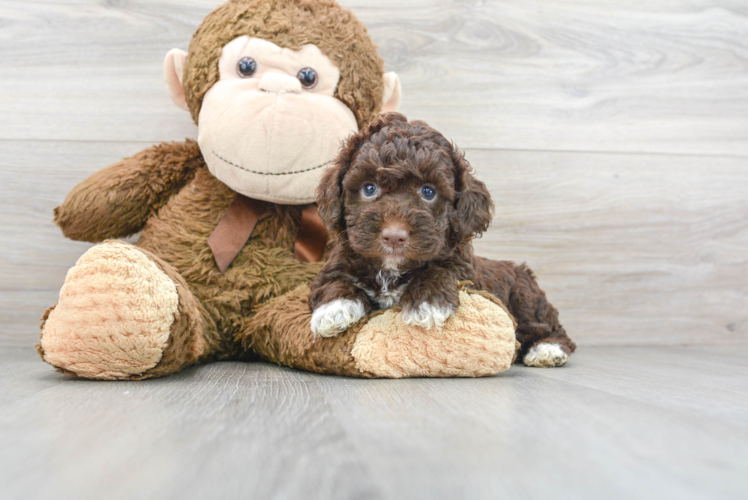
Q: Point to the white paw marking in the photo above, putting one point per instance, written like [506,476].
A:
[427,315]
[545,354]
[330,319]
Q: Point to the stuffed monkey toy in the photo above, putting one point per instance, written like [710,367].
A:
[230,237]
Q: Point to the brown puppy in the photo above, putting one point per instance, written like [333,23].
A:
[402,206]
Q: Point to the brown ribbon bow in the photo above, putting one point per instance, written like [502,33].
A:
[240,219]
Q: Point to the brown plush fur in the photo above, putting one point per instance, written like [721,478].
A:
[168,193]
[187,341]
[480,341]
[281,334]
[399,158]
[175,237]
[291,24]
[117,201]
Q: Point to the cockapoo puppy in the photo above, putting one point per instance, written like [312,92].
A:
[402,206]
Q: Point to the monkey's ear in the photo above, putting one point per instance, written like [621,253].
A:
[473,206]
[392,92]
[173,72]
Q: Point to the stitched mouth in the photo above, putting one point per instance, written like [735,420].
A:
[257,172]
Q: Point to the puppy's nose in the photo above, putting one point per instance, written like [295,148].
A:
[395,235]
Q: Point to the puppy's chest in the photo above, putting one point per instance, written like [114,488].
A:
[386,288]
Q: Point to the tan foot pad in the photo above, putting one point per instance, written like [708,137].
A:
[478,340]
[114,315]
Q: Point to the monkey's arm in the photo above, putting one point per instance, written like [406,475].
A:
[117,201]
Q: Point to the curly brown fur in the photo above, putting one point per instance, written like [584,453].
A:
[401,159]
[291,24]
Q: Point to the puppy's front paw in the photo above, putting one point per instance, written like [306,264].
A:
[546,355]
[330,319]
[427,315]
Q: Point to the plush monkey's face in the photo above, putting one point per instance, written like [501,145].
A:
[271,124]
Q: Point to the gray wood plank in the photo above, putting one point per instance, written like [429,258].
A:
[231,430]
[708,381]
[19,365]
[532,438]
[633,249]
[663,76]
[240,430]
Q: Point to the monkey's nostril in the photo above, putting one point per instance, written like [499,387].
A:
[279,83]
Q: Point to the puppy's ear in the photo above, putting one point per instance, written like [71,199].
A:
[330,190]
[473,206]
[329,198]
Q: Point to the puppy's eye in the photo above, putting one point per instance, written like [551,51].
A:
[307,77]
[369,190]
[428,193]
[246,67]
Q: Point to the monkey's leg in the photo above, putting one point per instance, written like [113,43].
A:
[123,314]
[478,340]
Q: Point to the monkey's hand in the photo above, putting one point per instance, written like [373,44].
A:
[117,201]
[479,341]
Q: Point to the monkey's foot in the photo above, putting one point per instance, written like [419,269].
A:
[116,312]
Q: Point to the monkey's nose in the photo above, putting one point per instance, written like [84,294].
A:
[395,236]
[277,82]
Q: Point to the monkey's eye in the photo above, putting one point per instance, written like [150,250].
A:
[428,193]
[246,67]
[307,77]
[369,190]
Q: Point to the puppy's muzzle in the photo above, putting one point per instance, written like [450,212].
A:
[394,235]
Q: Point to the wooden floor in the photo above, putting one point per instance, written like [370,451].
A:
[628,423]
